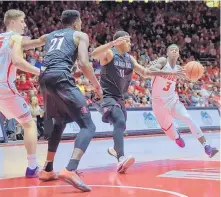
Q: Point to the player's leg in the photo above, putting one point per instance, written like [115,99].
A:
[84,137]
[63,106]
[47,173]
[16,107]
[180,112]
[77,110]
[54,107]
[30,141]
[87,131]
[119,123]
[165,120]
[114,112]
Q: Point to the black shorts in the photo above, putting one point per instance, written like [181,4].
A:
[63,100]
[107,104]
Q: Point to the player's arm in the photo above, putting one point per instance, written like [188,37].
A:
[158,64]
[154,71]
[35,43]
[145,72]
[103,52]
[83,57]
[18,60]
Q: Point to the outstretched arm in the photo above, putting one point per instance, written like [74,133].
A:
[154,70]
[35,43]
[18,60]
[103,52]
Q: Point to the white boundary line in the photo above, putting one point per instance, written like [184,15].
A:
[107,186]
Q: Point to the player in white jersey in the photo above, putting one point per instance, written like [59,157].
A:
[12,105]
[166,104]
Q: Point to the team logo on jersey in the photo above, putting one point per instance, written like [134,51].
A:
[150,120]
[206,118]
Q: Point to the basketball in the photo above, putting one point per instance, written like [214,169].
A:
[194,70]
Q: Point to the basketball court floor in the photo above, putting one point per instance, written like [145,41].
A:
[162,169]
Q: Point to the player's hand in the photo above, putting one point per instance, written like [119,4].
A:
[180,73]
[98,93]
[121,40]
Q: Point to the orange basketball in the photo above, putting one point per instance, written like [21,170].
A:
[194,70]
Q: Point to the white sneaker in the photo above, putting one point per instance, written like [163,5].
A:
[112,152]
[125,163]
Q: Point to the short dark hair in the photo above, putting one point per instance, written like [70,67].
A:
[120,34]
[69,16]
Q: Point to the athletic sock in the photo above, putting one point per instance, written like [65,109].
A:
[32,162]
[48,166]
[205,144]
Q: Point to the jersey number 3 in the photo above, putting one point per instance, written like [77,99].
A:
[167,87]
[56,44]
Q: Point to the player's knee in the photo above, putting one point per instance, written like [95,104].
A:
[93,128]
[55,137]
[120,123]
[28,124]
[89,125]
[187,118]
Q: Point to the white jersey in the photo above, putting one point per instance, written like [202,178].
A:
[7,70]
[12,105]
[163,87]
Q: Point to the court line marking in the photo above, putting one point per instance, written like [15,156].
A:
[21,142]
[107,186]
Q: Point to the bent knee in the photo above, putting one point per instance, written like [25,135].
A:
[92,127]
[28,124]
[88,124]
[120,123]
[187,118]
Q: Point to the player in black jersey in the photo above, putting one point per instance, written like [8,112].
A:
[117,68]
[63,100]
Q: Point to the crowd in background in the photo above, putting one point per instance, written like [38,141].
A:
[152,27]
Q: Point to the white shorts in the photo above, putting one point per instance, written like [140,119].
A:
[165,111]
[12,105]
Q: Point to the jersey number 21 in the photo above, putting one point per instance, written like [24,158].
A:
[56,44]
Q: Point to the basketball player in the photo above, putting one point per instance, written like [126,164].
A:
[166,104]
[12,105]
[63,100]
[117,68]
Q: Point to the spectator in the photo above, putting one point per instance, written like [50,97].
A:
[39,62]
[194,99]
[37,114]
[191,25]
[144,102]
[24,84]
[80,85]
